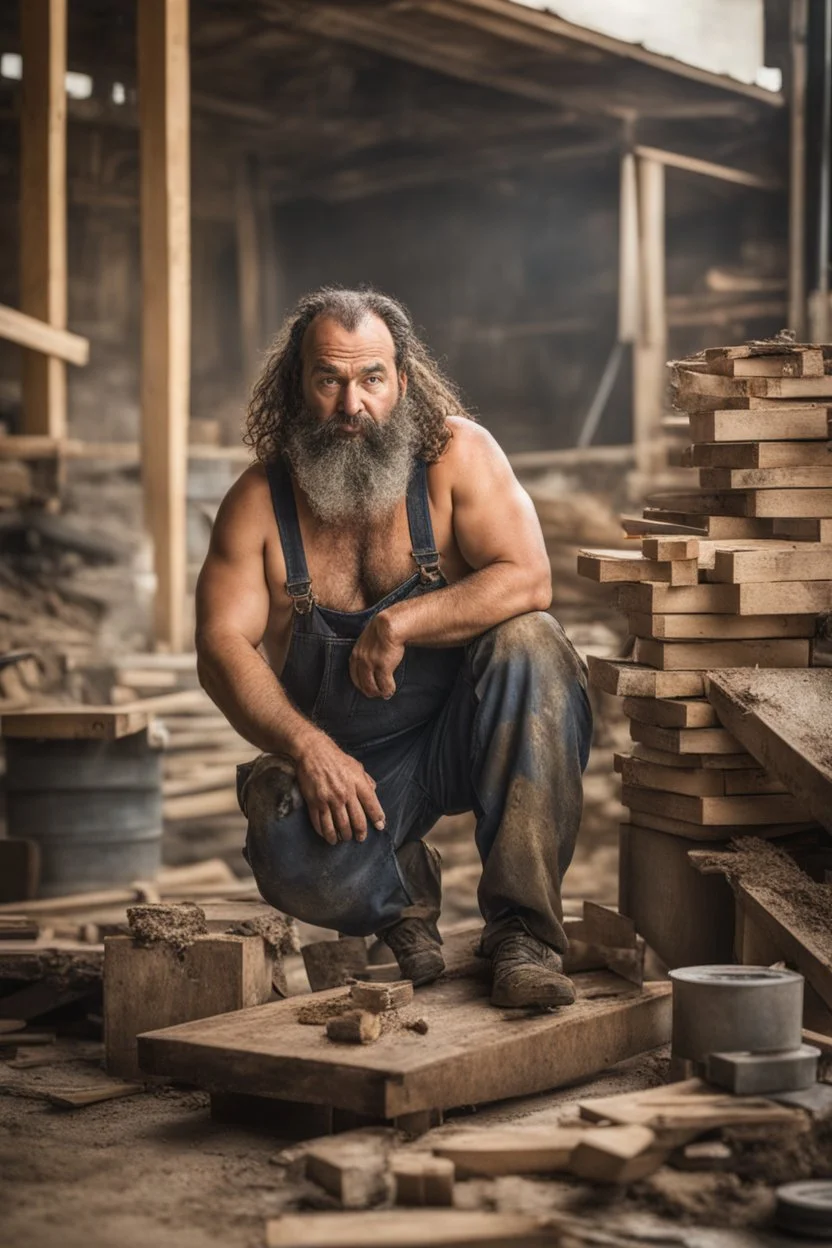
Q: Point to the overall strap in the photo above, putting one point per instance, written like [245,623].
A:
[424,552]
[298,583]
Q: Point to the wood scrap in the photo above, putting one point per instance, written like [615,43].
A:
[619,1154]
[421,1180]
[511,1150]
[380,998]
[354,1027]
[398,1228]
[351,1167]
[80,1098]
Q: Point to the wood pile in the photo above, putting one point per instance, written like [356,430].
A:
[731,575]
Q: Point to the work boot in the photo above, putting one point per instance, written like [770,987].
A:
[527,973]
[416,949]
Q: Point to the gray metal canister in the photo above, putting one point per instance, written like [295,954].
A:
[93,807]
[719,1009]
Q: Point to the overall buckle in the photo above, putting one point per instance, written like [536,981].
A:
[429,571]
[305,600]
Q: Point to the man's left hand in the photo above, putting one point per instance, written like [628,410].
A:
[375,657]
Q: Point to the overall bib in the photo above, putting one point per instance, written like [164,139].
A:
[500,726]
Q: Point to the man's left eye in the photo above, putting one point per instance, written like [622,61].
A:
[374,378]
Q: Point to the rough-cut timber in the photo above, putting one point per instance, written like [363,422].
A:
[473,1055]
[804,423]
[626,678]
[785,720]
[736,566]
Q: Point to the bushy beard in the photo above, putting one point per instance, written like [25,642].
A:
[363,476]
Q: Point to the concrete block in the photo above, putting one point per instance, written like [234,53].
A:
[755,1074]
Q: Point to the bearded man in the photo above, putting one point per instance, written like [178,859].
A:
[372,616]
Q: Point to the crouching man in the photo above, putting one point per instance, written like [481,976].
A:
[371,615]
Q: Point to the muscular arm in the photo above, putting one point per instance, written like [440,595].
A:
[232,611]
[498,534]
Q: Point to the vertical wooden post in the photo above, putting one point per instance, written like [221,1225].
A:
[649,373]
[164,117]
[249,268]
[43,280]
[797,168]
[629,302]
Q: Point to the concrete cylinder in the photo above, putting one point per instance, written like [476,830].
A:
[723,1009]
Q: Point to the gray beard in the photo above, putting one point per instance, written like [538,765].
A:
[362,477]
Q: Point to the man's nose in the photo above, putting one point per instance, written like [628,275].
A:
[351,401]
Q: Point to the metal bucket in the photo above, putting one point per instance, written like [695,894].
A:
[93,807]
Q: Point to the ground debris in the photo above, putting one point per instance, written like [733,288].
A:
[176,924]
[279,933]
[354,1027]
[709,1199]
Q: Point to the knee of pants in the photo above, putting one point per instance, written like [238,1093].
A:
[350,888]
[534,642]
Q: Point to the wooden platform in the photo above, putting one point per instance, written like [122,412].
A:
[783,718]
[471,1054]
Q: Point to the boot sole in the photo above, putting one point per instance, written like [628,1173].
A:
[426,977]
[554,996]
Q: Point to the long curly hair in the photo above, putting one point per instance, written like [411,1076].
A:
[277,396]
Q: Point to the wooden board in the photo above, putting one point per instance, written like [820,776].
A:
[785,720]
[686,740]
[796,364]
[664,548]
[691,385]
[717,762]
[510,1150]
[727,627]
[750,503]
[672,712]
[624,677]
[688,830]
[809,477]
[88,723]
[777,598]
[470,1055]
[793,424]
[401,1228]
[713,527]
[704,655]
[752,811]
[697,781]
[807,530]
[736,566]
[758,455]
[616,565]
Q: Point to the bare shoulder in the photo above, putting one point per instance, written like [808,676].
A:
[246,511]
[471,450]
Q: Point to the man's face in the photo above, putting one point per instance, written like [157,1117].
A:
[349,377]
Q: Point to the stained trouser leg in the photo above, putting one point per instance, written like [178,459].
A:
[357,889]
[512,744]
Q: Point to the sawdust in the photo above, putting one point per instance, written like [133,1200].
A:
[318,1013]
[710,1199]
[177,924]
[784,1155]
[803,903]
[279,933]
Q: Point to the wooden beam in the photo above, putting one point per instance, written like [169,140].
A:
[39,336]
[693,164]
[43,278]
[628,252]
[249,267]
[649,378]
[165,242]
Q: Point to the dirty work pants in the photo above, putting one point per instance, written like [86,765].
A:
[510,744]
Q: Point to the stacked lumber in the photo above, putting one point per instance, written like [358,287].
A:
[730,575]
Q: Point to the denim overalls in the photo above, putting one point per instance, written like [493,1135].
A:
[500,726]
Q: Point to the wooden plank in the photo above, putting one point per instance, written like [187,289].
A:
[87,723]
[152,986]
[624,677]
[690,831]
[791,503]
[728,627]
[766,478]
[735,566]
[698,502]
[709,168]
[807,530]
[43,263]
[691,384]
[759,455]
[399,1228]
[618,1154]
[164,113]
[696,781]
[754,810]
[778,598]
[691,1104]
[510,1150]
[422,1180]
[28,331]
[805,423]
[785,720]
[664,548]
[471,1056]
[716,762]
[672,712]
[704,655]
[617,565]
[714,528]
[686,740]
[807,363]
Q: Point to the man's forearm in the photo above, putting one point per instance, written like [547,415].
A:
[251,697]
[455,615]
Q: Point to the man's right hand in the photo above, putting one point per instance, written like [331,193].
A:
[339,794]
